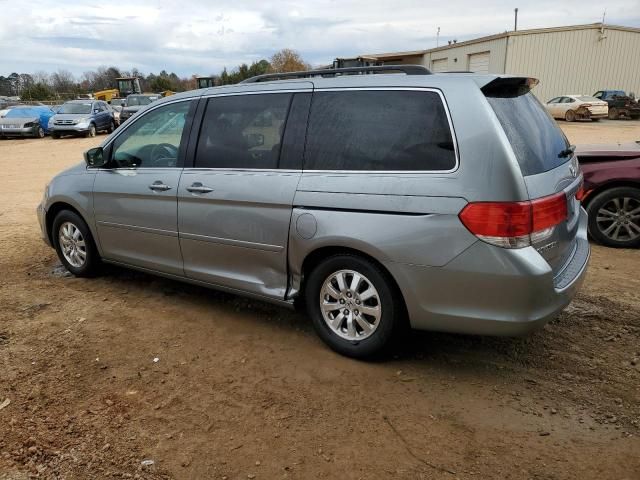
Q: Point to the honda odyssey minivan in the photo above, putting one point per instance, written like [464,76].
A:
[376,197]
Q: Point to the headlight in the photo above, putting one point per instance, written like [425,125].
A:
[83,124]
[50,124]
[29,124]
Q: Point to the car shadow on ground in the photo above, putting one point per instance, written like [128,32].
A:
[411,345]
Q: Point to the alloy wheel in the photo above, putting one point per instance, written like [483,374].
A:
[619,219]
[72,244]
[350,305]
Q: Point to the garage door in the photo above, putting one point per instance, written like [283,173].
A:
[439,65]
[479,62]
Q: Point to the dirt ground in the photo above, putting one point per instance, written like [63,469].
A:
[242,389]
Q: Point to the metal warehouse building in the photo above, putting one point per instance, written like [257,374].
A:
[566,60]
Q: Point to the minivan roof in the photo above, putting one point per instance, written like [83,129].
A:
[437,80]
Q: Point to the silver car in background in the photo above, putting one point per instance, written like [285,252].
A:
[378,201]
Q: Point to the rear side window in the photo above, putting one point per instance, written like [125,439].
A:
[243,131]
[378,130]
[536,139]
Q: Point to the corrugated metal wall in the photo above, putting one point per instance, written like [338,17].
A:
[458,57]
[576,61]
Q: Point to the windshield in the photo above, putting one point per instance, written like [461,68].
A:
[22,112]
[536,139]
[138,100]
[75,108]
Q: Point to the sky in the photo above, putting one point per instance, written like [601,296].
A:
[201,37]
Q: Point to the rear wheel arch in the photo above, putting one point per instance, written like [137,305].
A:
[317,256]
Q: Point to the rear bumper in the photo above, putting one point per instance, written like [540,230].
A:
[489,290]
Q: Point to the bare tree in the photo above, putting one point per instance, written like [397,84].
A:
[288,60]
[41,77]
[63,81]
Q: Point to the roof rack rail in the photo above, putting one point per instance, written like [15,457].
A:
[406,69]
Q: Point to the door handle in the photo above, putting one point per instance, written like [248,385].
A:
[158,186]
[198,187]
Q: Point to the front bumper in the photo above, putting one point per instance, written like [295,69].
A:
[42,221]
[489,290]
[68,129]
[18,132]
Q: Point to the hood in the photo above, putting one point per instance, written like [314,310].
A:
[608,152]
[71,116]
[18,120]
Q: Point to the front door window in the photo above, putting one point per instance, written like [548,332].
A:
[152,141]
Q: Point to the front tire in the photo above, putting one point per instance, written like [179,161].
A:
[353,305]
[614,217]
[74,244]
[40,132]
[570,116]
[112,127]
[92,131]
[614,114]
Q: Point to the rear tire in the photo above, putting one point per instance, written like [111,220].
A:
[74,244]
[614,217]
[570,116]
[358,320]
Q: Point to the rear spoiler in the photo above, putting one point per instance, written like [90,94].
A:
[508,86]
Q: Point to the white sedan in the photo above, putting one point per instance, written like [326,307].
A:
[577,107]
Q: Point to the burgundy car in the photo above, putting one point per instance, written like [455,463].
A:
[611,192]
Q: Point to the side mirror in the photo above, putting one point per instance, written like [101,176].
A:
[95,110]
[94,158]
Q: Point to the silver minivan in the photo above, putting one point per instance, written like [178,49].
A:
[378,198]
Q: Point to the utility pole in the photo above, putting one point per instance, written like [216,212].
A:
[515,26]
[438,37]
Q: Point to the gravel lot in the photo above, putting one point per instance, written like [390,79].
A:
[243,389]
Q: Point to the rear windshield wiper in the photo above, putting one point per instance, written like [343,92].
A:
[567,151]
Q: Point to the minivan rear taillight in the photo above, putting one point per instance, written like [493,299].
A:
[515,224]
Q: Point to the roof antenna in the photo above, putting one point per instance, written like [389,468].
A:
[438,37]
[515,26]
[603,35]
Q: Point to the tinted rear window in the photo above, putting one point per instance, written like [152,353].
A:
[378,130]
[535,137]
